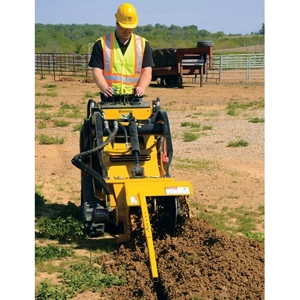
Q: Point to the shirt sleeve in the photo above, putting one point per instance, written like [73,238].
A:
[96,59]
[148,58]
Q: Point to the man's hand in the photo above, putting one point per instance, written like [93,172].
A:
[108,92]
[139,91]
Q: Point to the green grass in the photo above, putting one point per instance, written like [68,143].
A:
[64,222]
[257,120]
[193,164]
[43,105]
[78,127]
[190,124]
[89,94]
[61,229]
[46,290]
[78,278]
[207,127]
[43,116]
[190,136]
[233,107]
[61,123]
[49,140]
[41,125]
[194,134]
[49,94]
[50,86]
[240,220]
[43,253]
[238,143]
[69,111]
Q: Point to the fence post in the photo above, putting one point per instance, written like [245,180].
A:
[248,71]
[220,73]
[53,65]
[42,70]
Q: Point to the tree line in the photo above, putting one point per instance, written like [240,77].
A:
[76,38]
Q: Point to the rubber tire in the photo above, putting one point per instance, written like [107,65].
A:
[207,43]
[168,80]
[179,82]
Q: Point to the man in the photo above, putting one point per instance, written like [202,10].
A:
[121,61]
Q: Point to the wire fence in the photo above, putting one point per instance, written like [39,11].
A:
[241,68]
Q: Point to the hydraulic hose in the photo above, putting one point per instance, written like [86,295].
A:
[125,134]
[134,139]
[76,161]
[168,139]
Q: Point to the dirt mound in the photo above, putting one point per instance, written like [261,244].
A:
[198,263]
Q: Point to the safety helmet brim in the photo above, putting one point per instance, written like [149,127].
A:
[126,25]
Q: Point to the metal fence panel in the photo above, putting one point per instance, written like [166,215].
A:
[60,64]
[243,68]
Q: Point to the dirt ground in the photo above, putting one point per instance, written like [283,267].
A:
[199,262]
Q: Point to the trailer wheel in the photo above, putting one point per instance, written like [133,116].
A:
[168,80]
[179,82]
[207,43]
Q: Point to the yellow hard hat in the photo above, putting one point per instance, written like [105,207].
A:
[126,16]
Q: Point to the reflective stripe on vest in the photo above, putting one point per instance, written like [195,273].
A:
[122,72]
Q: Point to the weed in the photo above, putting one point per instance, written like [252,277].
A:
[61,229]
[64,111]
[50,86]
[190,124]
[43,116]
[61,123]
[245,221]
[257,120]
[238,143]
[47,290]
[43,106]
[64,105]
[189,136]
[48,140]
[41,125]
[90,95]
[257,236]
[207,127]
[83,277]
[50,251]
[233,106]
[192,257]
[77,127]
[49,94]
[192,164]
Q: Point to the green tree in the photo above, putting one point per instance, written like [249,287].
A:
[262,30]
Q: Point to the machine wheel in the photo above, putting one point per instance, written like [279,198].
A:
[84,142]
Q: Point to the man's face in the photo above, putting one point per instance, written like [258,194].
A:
[124,33]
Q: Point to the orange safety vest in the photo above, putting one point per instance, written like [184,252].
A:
[122,72]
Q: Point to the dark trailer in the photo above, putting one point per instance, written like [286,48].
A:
[171,64]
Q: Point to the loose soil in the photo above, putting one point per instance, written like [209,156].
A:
[199,261]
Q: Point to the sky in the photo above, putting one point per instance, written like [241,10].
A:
[229,16]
